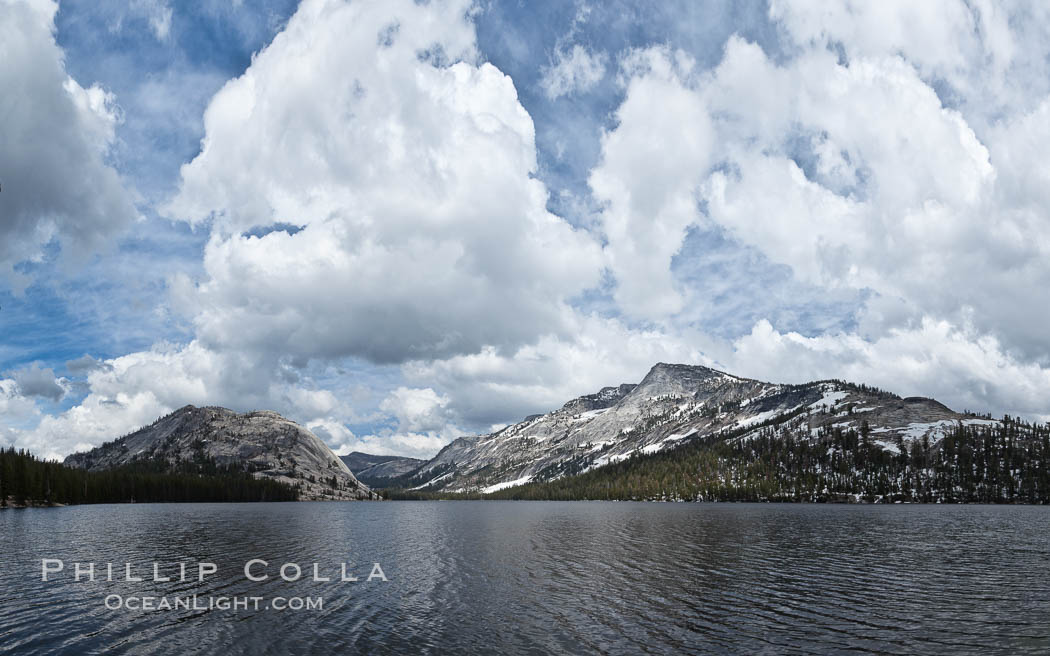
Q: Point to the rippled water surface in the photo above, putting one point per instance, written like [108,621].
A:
[519,577]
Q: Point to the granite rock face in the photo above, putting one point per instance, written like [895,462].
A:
[672,405]
[262,442]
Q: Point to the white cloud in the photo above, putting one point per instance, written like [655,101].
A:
[55,136]
[417,409]
[942,36]
[420,445]
[410,169]
[341,439]
[424,423]
[574,70]
[957,366]
[648,180]
[855,175]
[892,171]
[17,410]
[901,197]
[413,445]
[990,55]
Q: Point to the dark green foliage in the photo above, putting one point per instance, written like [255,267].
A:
[973,464]
[25,478]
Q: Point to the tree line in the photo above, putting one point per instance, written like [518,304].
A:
[28,480]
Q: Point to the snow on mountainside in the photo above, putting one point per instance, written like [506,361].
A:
[262,442]
[674,404]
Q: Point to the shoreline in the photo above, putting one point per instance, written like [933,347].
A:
[39,504]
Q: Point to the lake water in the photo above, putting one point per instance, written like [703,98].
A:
[520,577]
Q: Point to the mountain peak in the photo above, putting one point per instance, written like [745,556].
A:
[671,368]
[666,378]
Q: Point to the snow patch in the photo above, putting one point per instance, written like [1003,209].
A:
[980,422]
[504,485]
[590,414]
[666,442]
[610,459]
[888,446]
[935,429]
[831,397]
[432,481]
[758,419]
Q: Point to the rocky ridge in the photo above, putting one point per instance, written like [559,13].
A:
[261,442]
[671,406]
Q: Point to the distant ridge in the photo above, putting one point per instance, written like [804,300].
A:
[379,471]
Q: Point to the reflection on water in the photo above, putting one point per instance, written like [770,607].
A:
[517,577]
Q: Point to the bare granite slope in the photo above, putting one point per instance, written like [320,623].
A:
[262,442]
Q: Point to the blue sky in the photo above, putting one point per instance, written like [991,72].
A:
[400,223]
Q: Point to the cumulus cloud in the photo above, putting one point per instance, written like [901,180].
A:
[55,136]
[855,174]
[40,382]
[957,366]
[990,55]
[574,70]
[942,37]
[423,423]
[409,169]
[867,180]
[648,179]
[864,179]
[127,392]
[451,397]
[386,442]
[84,364]
[417,409]
[343,441]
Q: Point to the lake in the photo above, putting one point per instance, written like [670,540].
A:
[530,577]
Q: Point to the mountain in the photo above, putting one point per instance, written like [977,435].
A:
[1005,461]
[380,471]
[262,443]
[679,405]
